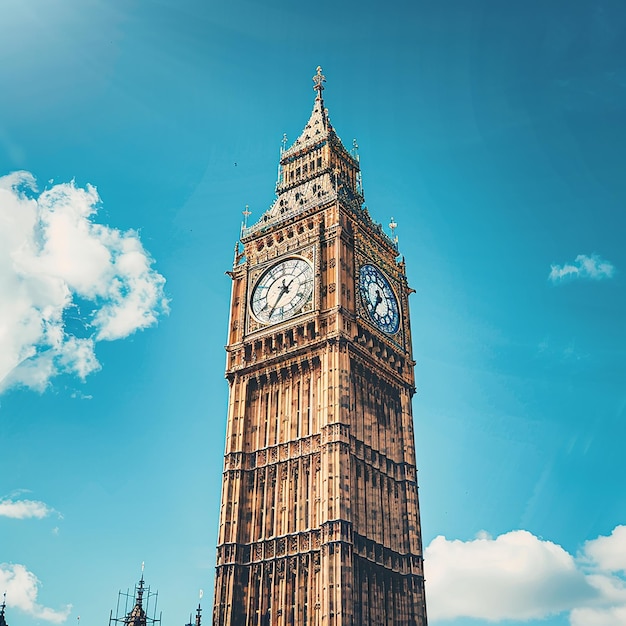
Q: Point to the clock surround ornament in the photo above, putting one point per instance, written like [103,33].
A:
[379,299]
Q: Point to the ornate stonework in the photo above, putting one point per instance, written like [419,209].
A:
[319,522]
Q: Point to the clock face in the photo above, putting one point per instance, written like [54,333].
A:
[282,291]
[379,299]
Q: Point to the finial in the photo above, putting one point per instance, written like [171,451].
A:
[318,79]
[140,588]
[392,226]
[199,610]
[283,143]
[246,212]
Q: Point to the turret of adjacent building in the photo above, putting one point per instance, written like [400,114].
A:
[3,606]
[138,608]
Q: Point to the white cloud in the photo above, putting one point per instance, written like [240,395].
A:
[22,588]
[22,509]
[66,282]
[590,267]
[614,616]
[514,576]
[518,576]
[608,553]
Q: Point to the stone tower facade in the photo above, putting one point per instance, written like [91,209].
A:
[319,520]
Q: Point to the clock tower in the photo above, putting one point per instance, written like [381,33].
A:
[319,519]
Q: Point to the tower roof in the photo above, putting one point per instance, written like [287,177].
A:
[314,170]
[318,127]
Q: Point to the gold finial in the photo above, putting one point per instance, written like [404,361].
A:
[318,79]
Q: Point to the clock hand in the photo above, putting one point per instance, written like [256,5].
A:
[283,290]
[379,299]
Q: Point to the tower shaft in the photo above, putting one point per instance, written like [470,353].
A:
[319,520]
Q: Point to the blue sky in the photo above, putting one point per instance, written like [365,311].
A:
[493,132]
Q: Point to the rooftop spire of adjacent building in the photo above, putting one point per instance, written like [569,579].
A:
[198,621]
[138,608]
[137,616]
[3,621]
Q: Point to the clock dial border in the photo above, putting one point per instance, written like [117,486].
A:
[255,276]
[392,327]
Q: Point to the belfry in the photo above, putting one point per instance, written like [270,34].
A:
[319,519]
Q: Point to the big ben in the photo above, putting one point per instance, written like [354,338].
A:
[319,518]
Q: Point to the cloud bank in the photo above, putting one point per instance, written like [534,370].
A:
[23,509]
[518,576]
[587,267]
[66,282]
[22,588]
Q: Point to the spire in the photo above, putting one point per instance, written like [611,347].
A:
[144,605]
[199,609]
[137,617]
[318,127]
[198,621]
[3,621]
[140,590]
[314,170]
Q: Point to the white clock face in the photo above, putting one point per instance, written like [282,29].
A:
[379,299]
[282,291]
